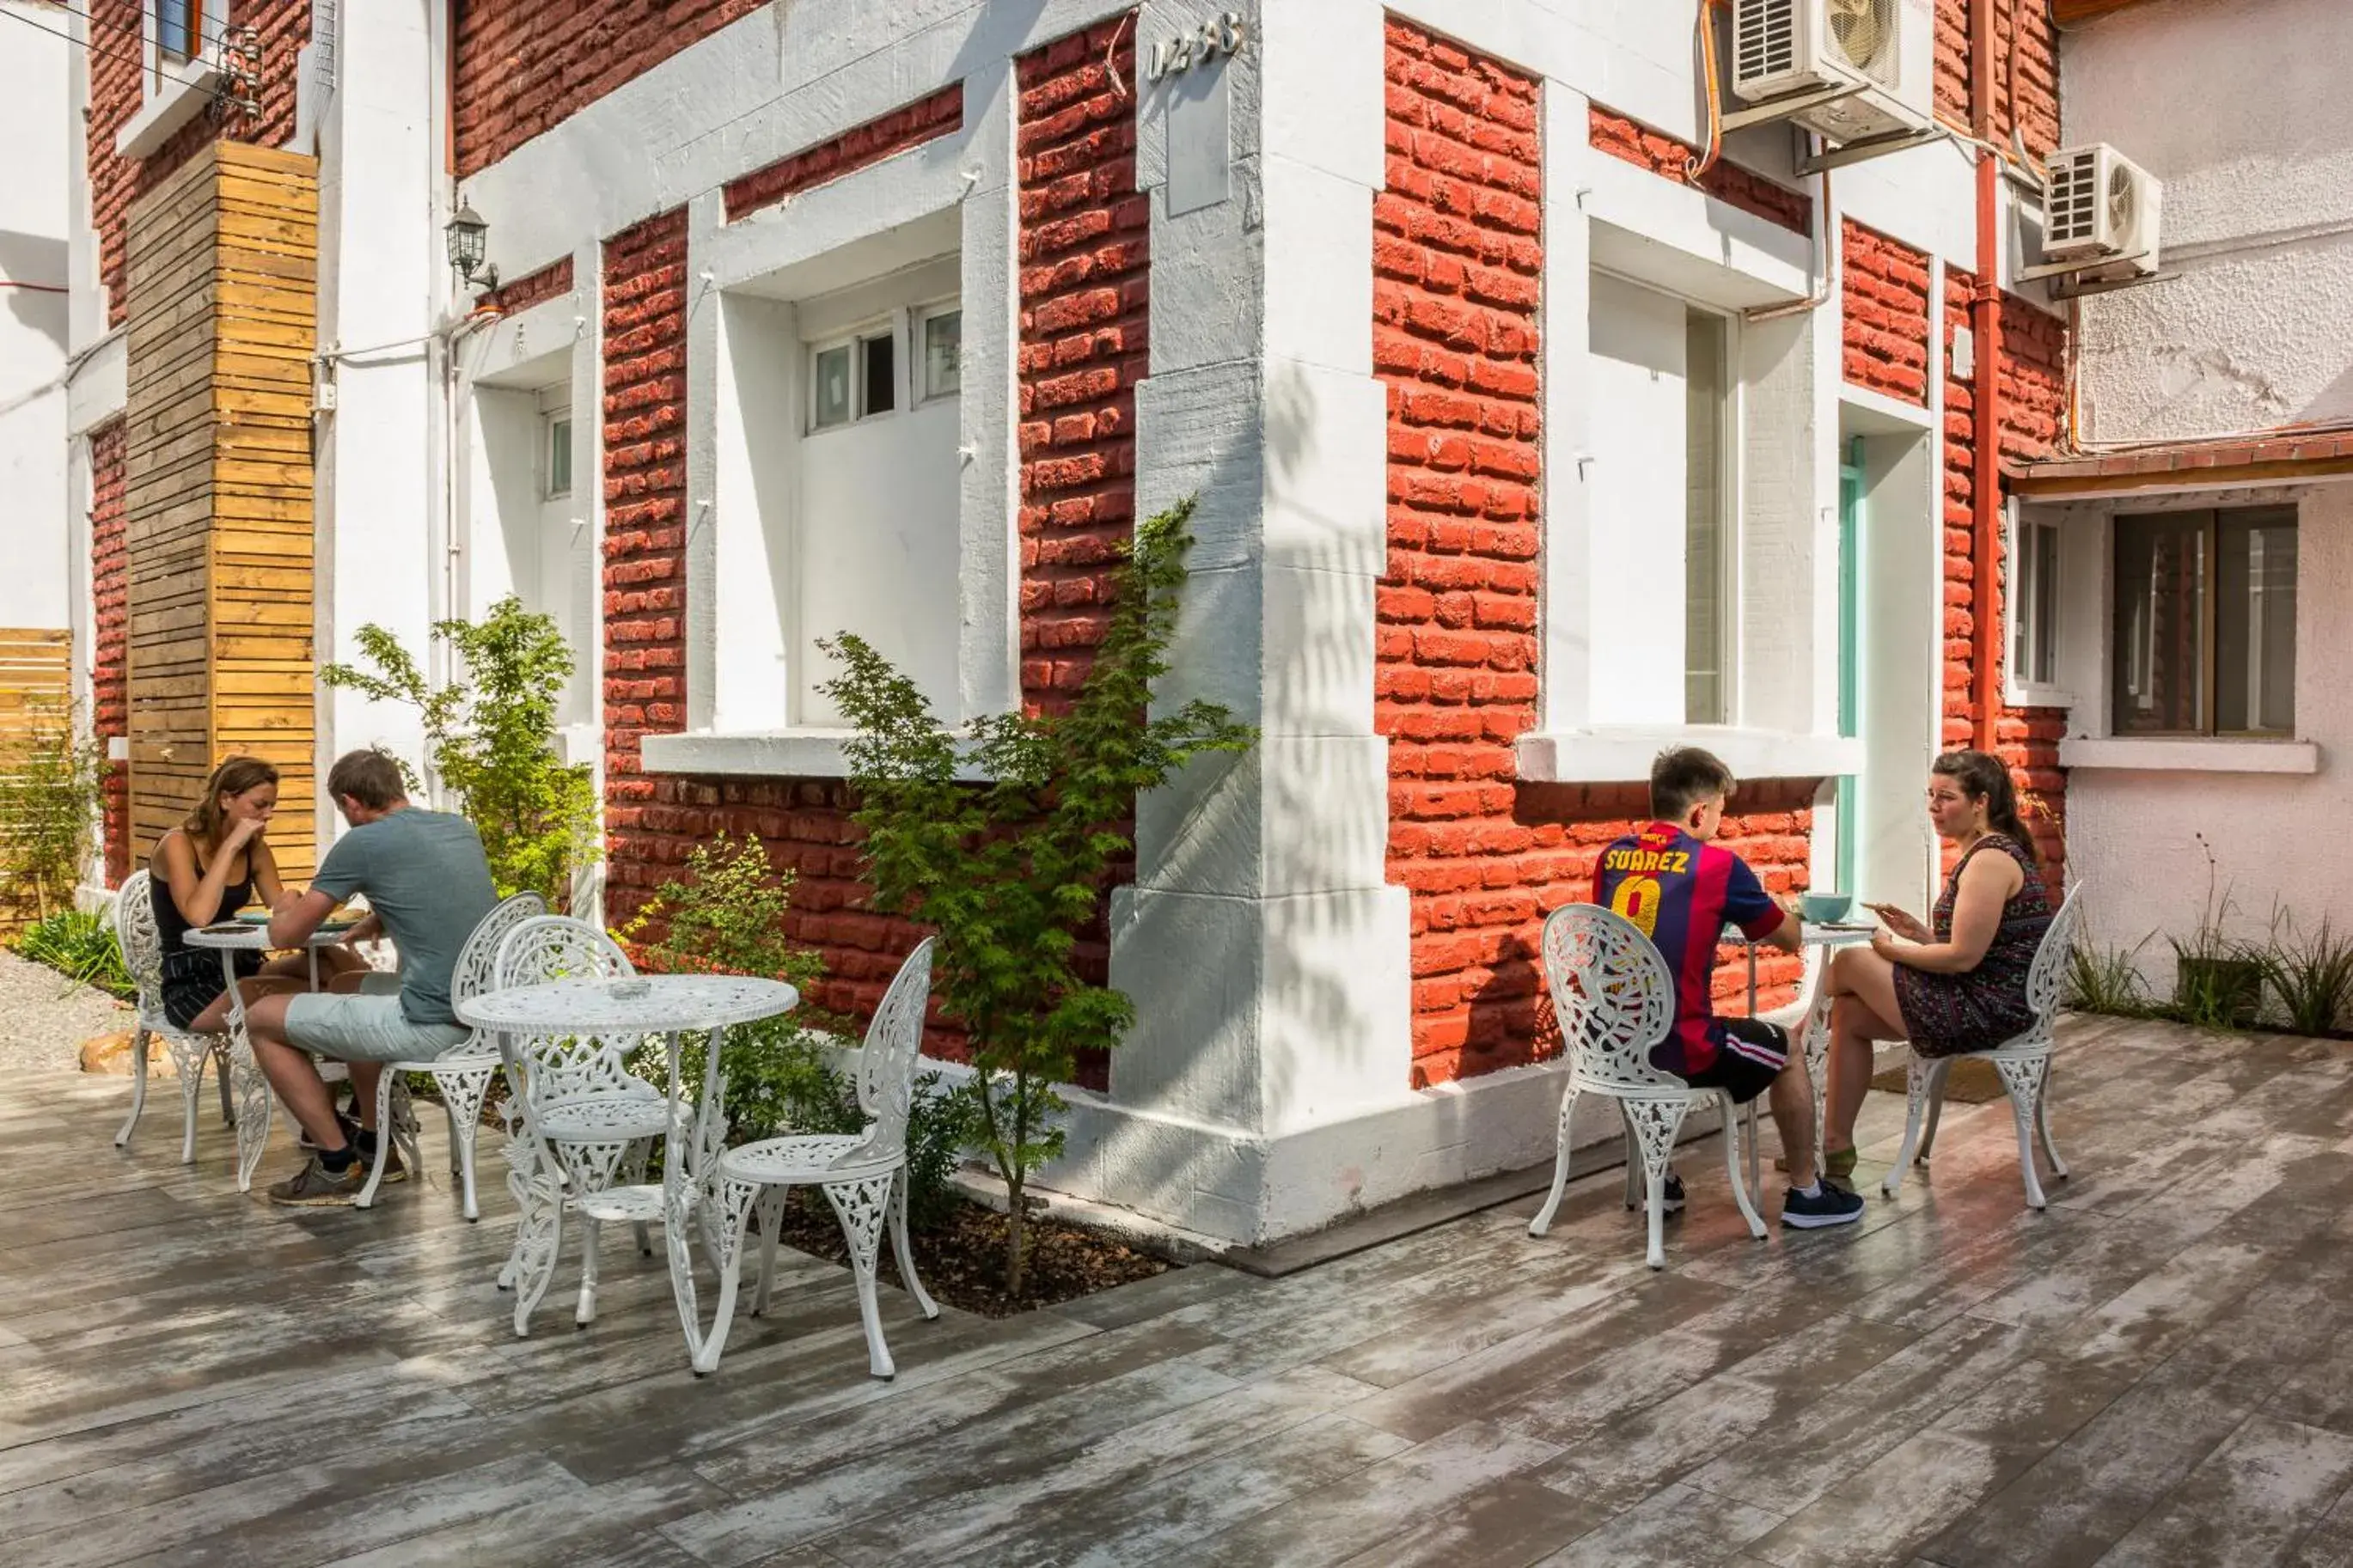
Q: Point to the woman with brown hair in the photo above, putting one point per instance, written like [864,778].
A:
[1957,983]
[214,864]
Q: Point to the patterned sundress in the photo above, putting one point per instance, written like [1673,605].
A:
[1946,1015]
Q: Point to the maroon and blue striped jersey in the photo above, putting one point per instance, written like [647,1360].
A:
[1680,893]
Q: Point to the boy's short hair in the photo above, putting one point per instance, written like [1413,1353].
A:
[370,777]
[1681,776]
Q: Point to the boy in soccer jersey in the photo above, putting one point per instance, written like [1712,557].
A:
[1681,889]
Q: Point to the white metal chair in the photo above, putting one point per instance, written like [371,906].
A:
[588,1123]
[462,1073]
[864,1174]
[141,941]
[1615,1001]
[2023,1061]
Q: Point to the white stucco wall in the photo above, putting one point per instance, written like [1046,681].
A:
[2239,109]
[38,135]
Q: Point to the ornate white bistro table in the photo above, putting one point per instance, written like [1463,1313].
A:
[251,1089]
[1813,1027]
[671,1005]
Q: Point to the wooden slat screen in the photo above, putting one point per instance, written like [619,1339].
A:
[223,284]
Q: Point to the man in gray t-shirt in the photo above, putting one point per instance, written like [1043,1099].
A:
[428,886]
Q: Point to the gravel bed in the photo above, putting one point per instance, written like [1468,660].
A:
[44,1017]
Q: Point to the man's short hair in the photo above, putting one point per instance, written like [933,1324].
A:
[1681,776]
[370,777]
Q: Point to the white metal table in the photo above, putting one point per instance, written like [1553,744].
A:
[671,1005]
[251,1087]
[1813,1038]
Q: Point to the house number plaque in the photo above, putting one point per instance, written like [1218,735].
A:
[1171,56]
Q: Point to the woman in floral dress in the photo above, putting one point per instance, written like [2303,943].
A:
[1958,983]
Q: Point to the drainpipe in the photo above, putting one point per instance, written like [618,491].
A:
[1985,485]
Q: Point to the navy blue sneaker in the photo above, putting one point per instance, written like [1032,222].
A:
[1827,1206]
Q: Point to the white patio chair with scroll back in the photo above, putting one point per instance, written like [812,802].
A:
[2023,1062]
[462,1073]
[1615,1001]
[141,941]
[864,1174]
[588,1122]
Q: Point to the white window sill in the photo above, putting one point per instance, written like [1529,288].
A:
[186,87]
[773,753]
[1620,756]
[2038,697]
[2185,755]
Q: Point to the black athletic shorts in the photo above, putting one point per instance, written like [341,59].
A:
[1750,1061]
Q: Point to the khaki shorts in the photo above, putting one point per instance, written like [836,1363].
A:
[368,1028]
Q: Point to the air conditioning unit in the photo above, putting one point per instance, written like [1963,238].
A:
[2100,207]
[1876,55]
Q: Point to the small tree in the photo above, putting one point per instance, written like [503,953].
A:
[1011,872]
[52,784]
[491,739]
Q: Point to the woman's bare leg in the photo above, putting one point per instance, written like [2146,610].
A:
[214,1019]
[1864,1010]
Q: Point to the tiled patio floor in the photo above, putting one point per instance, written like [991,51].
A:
[2159,1370]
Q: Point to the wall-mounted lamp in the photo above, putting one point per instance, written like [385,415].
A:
[468,236]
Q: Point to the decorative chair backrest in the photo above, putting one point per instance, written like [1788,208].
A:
[1612,995]
[2046,976]
[478,960]
[564,1067]
[142,940]
[895,1040]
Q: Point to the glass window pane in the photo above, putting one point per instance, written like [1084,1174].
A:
[174,21]
[2254,622]
[880,386]
[2160,617]
[831,395]
[943,353]
[1705,537]
[559,457]
[2045,605]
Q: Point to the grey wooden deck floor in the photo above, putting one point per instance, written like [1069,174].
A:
[2156,1371]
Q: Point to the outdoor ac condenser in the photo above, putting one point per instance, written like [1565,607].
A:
[2100,207]
[1881,48]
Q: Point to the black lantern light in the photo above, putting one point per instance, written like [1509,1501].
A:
[468,236]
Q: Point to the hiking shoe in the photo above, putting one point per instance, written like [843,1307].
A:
[316,1188]
[1827,1207]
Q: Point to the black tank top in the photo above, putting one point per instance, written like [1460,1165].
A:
[173,926]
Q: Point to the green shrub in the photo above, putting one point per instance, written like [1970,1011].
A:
[2107,980]
[81,947]
[2311,976]
[1011,873]
[52,782]
[491,739]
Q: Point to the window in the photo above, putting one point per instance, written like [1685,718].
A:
[557,467]
[1707,556]
[179,28]
[943,353]
[2034,604]
[2204,634]
[854,380]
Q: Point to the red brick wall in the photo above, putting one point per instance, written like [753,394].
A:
[1457,248]
[644,536]
[940,114]
[2025,70]
[110,670]
[115,182]
[2033,417]
[522,67]
[1660,153]
[1086,295]
[1884,289]
[532,289]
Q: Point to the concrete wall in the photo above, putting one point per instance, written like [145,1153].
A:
[2240,111]
[35,130]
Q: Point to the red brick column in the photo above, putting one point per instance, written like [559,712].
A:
[110,592]
[645,534]
[1883,299]
[1085,291]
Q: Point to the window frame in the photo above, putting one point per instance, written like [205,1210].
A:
[903,325]
[195,13]
[1729,573]
[2210,557]
[550,421]
[2027,617]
